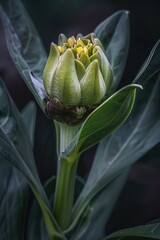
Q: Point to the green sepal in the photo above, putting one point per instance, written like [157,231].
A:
[50,68]
[65,84]
[93,87]
[104,66]
[80,69]
[97,42]
[84,59]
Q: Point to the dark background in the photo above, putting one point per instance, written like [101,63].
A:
[52,17]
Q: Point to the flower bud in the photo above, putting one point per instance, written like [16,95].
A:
[93,88]
[78,76]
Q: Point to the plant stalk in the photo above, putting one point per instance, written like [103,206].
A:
[64,193]
[66,173]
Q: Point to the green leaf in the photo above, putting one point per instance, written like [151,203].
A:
[14,128]
[146,231]
[125,146]
[25,46]
[16,149]
[35,225]
[107,117]
[13,199]
[103,120]
[101,208]
[151,66]
[83,225]
[29,117]
[114,34]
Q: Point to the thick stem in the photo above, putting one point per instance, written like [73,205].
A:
[64,193]
[66,172]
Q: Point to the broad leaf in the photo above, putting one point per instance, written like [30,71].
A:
[83,225]
[9,153]
[124,147]
[114,35]
[16,149]
[29,117]
[25,46]
[107,117]
[14,128]
[101,208]
[146,231]
[13,198]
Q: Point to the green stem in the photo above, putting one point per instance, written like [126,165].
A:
[65,182]
[64,193]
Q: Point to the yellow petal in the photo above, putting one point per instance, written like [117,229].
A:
[71,41]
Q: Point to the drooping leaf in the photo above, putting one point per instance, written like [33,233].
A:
[29,118]
[24,45]
[114,34]
[137,136]
[13,198]
[16,149]
[146,231]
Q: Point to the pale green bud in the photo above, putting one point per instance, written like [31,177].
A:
[50,68]
[65,84]
[77,77]
[104,66]
[92,85]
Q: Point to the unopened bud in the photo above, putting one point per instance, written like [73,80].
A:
[78,75]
